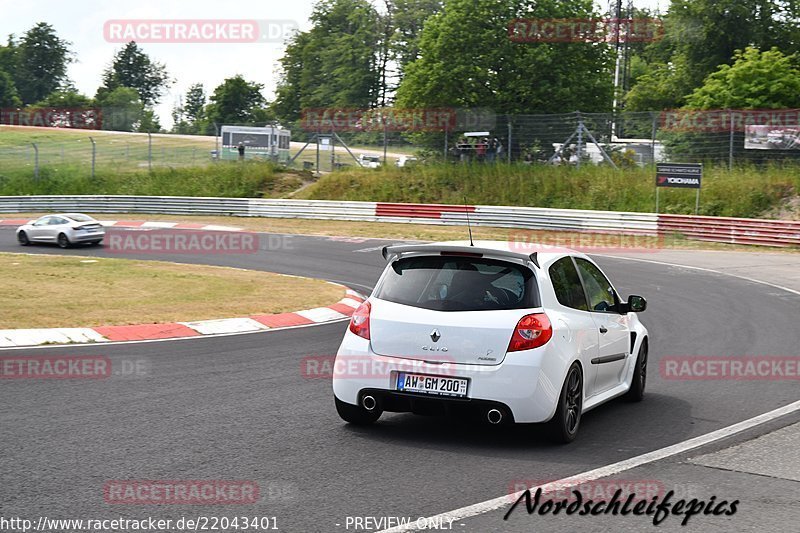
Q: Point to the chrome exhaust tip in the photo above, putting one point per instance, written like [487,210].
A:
[369,403]
[494,416]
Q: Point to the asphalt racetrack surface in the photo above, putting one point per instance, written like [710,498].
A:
[239,408]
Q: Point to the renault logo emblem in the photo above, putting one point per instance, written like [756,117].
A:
[435,335]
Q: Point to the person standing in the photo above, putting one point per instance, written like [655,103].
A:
[463,150]
[480,149]
[241,151]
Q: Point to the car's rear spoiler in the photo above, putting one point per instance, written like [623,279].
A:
[393,251]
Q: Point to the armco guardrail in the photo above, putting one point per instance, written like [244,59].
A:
[733,230]
[715,229]
[510,217]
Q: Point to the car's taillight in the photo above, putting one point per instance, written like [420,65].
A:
[359,322]
[531,332]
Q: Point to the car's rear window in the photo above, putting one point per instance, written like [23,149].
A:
[448,283]
[80,218]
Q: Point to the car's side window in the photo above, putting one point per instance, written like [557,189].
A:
[43,221]
[598,288]
[567,284]
[55,221]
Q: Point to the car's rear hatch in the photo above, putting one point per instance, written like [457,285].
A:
[89,226]
[466,337]
[450,308]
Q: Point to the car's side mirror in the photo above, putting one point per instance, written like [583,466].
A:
[636,304]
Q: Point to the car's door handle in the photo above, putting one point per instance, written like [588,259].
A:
[603,329]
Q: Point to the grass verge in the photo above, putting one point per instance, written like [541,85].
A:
[45,291]
[223,179]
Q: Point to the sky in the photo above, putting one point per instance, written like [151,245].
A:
[82,23]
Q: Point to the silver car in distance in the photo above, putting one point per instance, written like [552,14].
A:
[64,229]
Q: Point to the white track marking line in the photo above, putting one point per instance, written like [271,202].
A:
[627,464]
[609,470]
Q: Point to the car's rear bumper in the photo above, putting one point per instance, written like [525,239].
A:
[526,384]
[87,236]
[402,402]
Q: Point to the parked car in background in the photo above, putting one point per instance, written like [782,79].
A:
[406,161]
[63,229]
[369,161]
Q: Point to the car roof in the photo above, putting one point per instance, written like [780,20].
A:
[545,254]
[70,216]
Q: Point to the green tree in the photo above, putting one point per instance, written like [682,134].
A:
[148,122]
[400,26]
[467,59]
[8,56]
[67,98]
[700,35]
[195,103]
[235,101]
[409,17]
[41,60]
[188,116]
[336,63]
[289,91]
[121,109]
[756,80]
[659,86]
[708,32]
[131,67]
[8,92]
[179,123]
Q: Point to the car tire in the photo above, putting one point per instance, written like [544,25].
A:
[636,392]
[355,414]
[563,427]
[22,238]
[63,241]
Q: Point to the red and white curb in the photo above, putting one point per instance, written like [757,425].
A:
[137,224]
[174,330]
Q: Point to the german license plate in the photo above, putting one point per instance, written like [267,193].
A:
[433,385]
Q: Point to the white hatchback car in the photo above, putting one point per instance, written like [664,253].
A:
[506,334]
[64,229]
